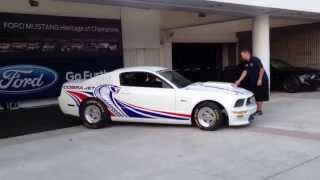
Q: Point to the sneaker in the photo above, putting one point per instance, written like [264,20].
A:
[259,113]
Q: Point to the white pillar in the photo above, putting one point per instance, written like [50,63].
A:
[141,36]
[261,40]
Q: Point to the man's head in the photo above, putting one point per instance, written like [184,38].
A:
[245,54]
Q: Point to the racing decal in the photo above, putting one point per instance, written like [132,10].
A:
[106,93]
[223,88]
[154,113]
[78,96]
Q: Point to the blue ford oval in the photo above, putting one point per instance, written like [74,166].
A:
[25,79]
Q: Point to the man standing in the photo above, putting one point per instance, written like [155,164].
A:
[257,77]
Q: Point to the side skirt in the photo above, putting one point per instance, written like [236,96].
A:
[149,120]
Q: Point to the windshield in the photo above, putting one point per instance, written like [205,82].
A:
[176,78]
[279,64]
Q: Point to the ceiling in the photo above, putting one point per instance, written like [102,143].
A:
[184,19]
[174,20]
[226,9]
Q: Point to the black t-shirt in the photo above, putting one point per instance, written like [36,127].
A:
[253,69]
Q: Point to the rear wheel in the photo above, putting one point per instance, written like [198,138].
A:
[208,116]
[291,84]
[94,114]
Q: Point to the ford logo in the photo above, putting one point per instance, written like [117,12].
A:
[25,79]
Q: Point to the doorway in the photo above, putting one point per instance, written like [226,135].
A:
[200,62]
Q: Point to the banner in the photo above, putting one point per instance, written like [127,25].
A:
[39,53]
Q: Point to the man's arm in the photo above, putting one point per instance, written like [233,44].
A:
[243,75]
[261,74]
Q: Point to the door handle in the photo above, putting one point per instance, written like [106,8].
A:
[183,100]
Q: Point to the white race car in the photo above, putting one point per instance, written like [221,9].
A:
[156,95]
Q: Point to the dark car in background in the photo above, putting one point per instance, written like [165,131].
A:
[232,74]
[284,77]
[293,79]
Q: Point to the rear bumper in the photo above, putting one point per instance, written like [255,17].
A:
[242,116]
[67,106]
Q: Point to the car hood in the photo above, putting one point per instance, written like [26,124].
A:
[218,87]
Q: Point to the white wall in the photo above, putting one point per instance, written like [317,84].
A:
[141,34]
[141,28]
[149,57]
[166,55]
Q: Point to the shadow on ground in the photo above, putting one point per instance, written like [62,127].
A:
[26,121]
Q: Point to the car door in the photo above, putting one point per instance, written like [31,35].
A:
[145,97]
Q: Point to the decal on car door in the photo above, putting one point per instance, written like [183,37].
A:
[107,93]
[118,108]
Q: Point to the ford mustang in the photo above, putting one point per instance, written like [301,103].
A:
[156,95]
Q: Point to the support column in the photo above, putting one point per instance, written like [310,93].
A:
[261,40]
[141,36]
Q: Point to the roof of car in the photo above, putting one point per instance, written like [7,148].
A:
[142,68]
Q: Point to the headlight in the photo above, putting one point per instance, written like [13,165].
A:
[314,76]
[239,103]
[305,77]
[251,100]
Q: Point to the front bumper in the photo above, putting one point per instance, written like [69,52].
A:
[242,116]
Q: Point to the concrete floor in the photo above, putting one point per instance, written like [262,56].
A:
[282,144]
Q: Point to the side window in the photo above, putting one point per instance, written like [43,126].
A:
[142,79]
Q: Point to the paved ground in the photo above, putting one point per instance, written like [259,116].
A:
[283,144]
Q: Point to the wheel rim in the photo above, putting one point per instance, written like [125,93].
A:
[207,117]
[92,114]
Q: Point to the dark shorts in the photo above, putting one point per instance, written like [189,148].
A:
[261,93]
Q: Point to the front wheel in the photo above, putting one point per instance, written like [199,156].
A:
[291,84]
[94,114]
[208,116]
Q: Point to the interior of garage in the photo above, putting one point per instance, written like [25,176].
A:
[186,39]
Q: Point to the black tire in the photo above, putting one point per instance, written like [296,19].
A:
[104,118]
[291,84]
[214,110]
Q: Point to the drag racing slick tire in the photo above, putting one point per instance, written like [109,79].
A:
[208,116]
[291,84]
[94,114]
